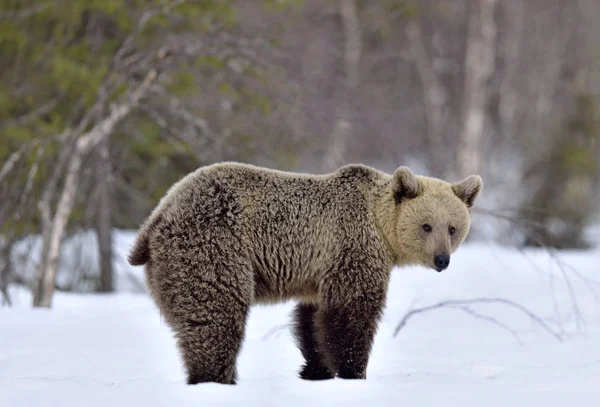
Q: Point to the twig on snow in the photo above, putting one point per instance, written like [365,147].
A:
[274,330]
[468,302]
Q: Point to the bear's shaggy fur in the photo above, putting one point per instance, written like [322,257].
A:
[231,235]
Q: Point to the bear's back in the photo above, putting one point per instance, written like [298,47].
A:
[280,196]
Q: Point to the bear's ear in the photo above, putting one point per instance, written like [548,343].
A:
[405,184]
[468,189]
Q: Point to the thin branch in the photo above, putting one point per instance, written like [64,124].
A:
[574,301]
[177,138]
[9,164]
[125,47]
[22,14]
[16,155]
[562,267]
[492,320]
[177,108]
[30,116]
[28,184]
[467,302]
[143,20]
[509,218]
[274,330]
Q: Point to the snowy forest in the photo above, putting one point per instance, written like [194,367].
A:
[105,104]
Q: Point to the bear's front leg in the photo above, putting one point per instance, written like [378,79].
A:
[304,331]
[352,305]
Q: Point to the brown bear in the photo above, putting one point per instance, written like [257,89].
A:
[231,235]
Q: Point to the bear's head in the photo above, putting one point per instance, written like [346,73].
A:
[432,216]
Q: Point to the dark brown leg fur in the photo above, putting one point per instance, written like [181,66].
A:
[304,331]
[208,314]
[210,343]
[347,322]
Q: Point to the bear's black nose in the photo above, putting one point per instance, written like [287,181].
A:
[441,261]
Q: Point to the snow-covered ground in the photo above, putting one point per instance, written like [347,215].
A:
[114,350]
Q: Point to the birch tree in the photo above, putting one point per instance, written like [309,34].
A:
[342,128]
[480,55]
[103,221]
[103,60]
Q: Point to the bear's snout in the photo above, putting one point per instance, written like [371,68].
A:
[441,261]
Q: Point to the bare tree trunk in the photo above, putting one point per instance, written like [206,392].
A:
[480,57]
[343,125]
[5,270]
[508,100]
[44,206]
[104,216]
[434,98]
[55,227]
[55,231]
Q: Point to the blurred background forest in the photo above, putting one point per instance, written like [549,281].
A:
[105,103]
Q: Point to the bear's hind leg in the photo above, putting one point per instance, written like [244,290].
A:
[207,308]
[304,331]
[211,335]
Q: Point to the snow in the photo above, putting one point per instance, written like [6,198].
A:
[78,267]
[115,350]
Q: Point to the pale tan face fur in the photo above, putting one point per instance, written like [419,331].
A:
[432,217]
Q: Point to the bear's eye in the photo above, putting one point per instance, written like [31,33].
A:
[451,230]
[427,228]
